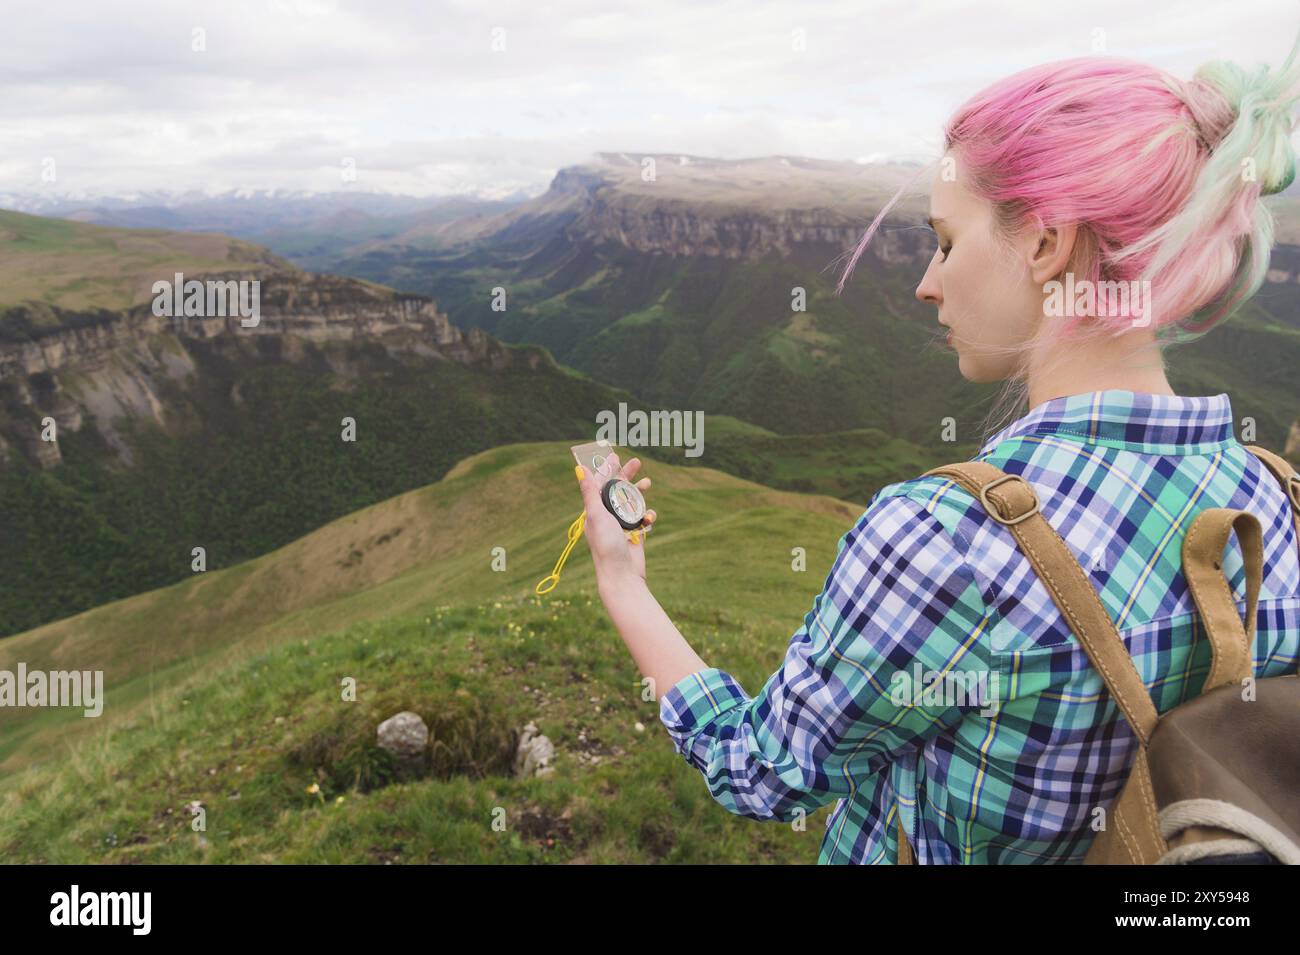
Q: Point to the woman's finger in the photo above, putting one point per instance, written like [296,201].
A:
[650,516]
[643,485]
[633,465]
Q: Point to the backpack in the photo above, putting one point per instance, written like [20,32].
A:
[1216,779]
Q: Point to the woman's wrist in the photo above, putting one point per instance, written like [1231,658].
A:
[613,581]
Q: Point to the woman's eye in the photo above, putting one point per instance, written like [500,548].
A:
[945,249]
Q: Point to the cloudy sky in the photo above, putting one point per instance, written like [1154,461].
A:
[485,97]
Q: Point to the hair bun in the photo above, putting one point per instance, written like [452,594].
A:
[1210,109]
[1246,114]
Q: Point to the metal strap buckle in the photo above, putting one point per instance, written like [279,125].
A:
[995,512]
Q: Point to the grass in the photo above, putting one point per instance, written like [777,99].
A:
[226,690]
[286,771]
[80,266]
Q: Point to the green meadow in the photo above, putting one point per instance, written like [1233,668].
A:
[76,265]
[227,691]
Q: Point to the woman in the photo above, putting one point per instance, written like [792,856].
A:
[1089,173]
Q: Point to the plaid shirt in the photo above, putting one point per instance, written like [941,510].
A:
[926,583]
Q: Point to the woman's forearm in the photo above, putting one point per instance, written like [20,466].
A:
[660,651]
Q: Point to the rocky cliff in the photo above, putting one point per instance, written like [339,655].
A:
[737,209]
[683,229]
[106,366]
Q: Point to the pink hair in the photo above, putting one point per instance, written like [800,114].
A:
[1148,167]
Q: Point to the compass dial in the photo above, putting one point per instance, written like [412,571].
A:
[625,502]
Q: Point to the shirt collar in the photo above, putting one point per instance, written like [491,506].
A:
[1139,421]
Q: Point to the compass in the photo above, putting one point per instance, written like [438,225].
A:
[621,498]
[625,502]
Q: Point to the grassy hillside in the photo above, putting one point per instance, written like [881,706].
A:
[224,689]
[79,266]
[849,465]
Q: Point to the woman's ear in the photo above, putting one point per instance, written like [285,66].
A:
[1055,246]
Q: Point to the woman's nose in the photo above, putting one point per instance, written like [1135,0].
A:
[928,290]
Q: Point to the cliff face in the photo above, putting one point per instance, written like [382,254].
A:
[677,229]
[110,366]
[670,227]
[745,209]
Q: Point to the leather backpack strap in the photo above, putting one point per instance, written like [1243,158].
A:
[1010,500]
[1231,638]
[905,854]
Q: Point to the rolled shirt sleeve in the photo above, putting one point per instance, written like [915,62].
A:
[899,605]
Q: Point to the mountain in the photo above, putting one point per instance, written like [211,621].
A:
[223,690]
[680,290]
[315,242]
[128,439]
[675,289]
[72,265]
[678,281]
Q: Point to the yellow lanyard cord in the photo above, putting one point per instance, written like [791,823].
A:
[575,531]
[549,582]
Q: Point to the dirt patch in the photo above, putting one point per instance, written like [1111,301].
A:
[544,828]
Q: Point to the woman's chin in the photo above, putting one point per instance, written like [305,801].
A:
[973,371]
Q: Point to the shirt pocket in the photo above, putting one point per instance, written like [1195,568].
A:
[1026,674]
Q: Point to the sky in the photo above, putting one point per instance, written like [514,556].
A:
[477,97]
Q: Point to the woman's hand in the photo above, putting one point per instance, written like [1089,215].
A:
[612,553]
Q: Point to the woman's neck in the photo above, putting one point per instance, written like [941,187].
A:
[1131,362]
